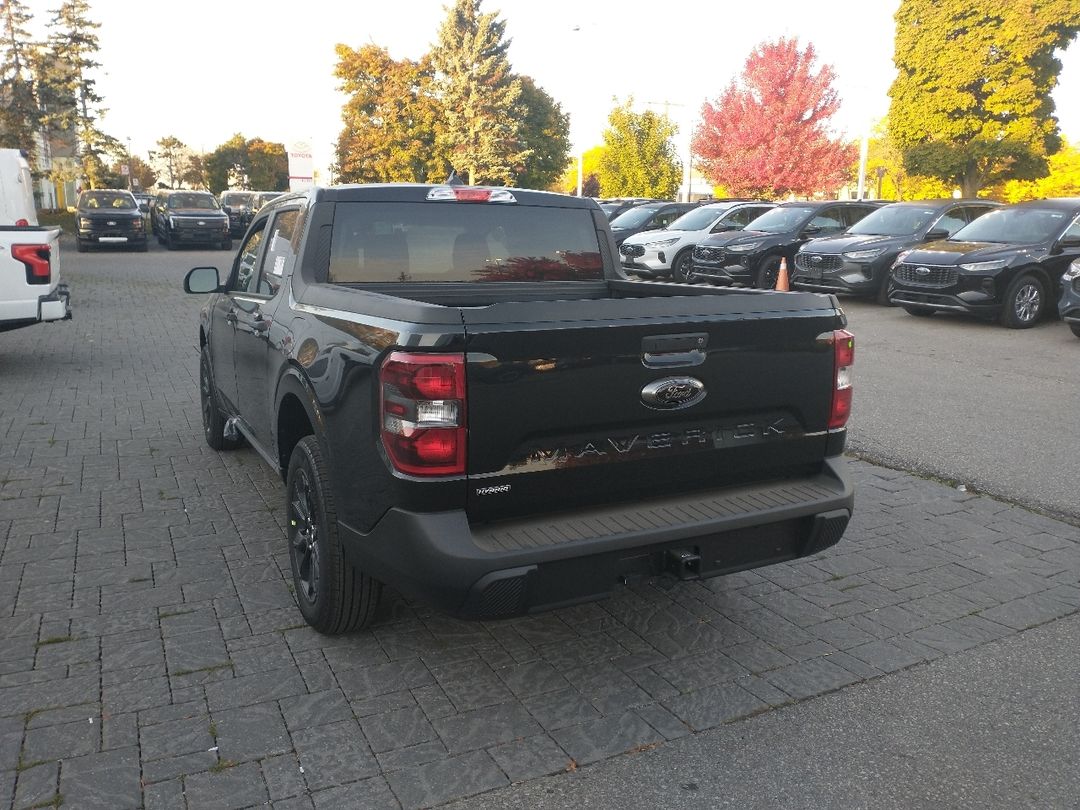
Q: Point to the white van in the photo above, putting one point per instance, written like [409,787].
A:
[30,288]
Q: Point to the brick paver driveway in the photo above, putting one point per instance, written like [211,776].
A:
[151,655]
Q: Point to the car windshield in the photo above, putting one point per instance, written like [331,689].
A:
[697,220]
[780,220]
[237,200]
[1014,226]
[894,220]
[107,199]
[635,217]
[205,201]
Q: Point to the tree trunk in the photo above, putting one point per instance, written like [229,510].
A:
[971,182]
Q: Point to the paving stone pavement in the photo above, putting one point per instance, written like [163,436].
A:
[151,655]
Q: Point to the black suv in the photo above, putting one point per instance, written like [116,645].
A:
[858,261]
[190,217]
[647,217]
[1069,305]
[1007,264]
[620,205]
[752,256]
[109,217]
[240,206]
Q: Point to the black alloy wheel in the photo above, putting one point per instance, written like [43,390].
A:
[767,272]
[212,418]
[1025,300]
[333,596]
[681,267]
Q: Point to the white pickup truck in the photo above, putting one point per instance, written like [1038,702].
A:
[30,287]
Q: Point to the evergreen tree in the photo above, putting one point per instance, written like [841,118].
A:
[479,96]
[545,133]
[971,102]
[72,47]
[391,119]
[19,114]
[639,159]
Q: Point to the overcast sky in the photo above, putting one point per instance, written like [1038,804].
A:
[203,70]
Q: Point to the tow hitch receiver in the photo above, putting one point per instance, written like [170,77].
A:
[683,563]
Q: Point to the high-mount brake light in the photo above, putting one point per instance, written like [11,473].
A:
[22,223]
[843,368]
[474,194]
[36,260]
[422,412]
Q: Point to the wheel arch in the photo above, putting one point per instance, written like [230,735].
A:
[296,415]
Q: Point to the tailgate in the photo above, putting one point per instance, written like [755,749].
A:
[575,403]
[29,269]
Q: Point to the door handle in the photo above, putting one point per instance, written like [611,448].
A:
[230,317]
[260,323]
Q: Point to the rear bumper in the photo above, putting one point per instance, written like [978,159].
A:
[526,566]
[52,306]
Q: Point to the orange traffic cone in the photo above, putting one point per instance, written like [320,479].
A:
[782,277]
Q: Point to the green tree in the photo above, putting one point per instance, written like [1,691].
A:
[19,113]
[226,166]
[391,119]
[639,159]
[171,157]
[479,96]
[142,174]
[545,134]
[246,163]
[194,174]
[590,160]
[886,176]
[971,102]
[267,165]
[72,47]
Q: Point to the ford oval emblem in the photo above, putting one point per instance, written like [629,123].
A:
[922,271]
[815,259]
[673,392]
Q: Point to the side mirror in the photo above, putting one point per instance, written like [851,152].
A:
[811,230]
[726,227]
[1069,242]
[937,233]
[202,280]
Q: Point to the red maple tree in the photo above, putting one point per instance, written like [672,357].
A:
[767,134]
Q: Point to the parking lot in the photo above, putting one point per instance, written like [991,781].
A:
[152,656]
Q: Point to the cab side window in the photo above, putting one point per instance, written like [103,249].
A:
[951,221]
[246,262]
[1073,231]
[828,220]
[282,244]
[664,218]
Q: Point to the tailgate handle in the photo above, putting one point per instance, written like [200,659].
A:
[671,351]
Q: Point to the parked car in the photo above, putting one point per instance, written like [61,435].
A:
[30,288]
[647,217]
[190,217]
[618,205]
[668,252]
[615,430]
[107,217]
[263,197]
[859,260]
[751,257]
[1007,264]
[240,206]
[1069,305]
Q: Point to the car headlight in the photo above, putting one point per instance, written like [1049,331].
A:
[903,255]
[662,243]
[864,255]
[137,223]
[1073,271]
[84,222]
[745,247]
[172,222]
[984,267]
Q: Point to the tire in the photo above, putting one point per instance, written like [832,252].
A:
[212,417]
[681,265]
[143,246]
[1075,327]
[918,312]
[1025,302]
[80,245]
[766,273]
[169,243]
[227,244]
[882,296]
[333,596]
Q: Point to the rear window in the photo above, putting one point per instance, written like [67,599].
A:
[447,241]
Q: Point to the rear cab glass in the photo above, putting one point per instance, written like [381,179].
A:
[426,242]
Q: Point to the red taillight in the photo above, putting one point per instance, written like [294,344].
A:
[22,223]
[422,412]
[36,260]
[843,368]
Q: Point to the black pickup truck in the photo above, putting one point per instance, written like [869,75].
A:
[469,401]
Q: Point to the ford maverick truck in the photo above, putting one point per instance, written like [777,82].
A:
[469,401]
